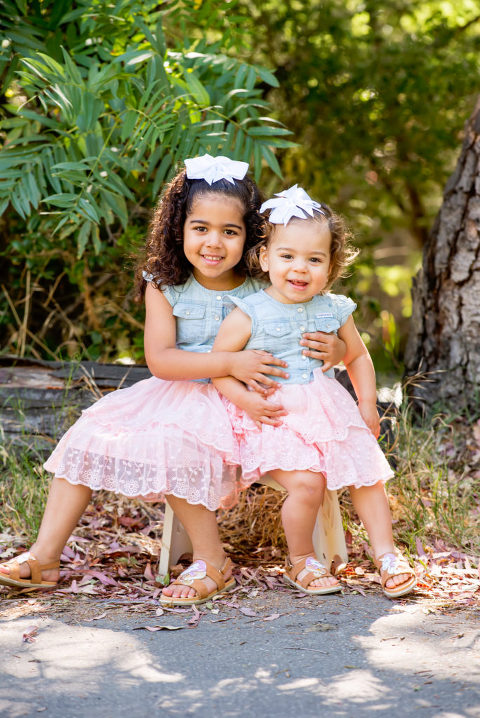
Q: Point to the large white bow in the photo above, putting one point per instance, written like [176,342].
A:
[293,202]
[211,169]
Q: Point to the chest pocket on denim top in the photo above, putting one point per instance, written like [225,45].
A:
[326,324]
[275,329]
[190,322]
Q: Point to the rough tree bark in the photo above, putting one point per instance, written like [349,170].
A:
[444,340]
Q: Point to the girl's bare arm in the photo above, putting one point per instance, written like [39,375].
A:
[362,374]
[233,335]
[165,361]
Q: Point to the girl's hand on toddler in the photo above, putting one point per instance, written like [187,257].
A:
[262,411]
[252,366]
[369,412]
[327,347]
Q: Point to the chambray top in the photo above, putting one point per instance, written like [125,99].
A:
[278,328]
[199,311]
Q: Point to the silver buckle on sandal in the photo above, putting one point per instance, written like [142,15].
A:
[197,571]
[317,568]
[389,563]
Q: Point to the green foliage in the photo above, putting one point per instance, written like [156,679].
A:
[101,102]
[81,136]
[377,95]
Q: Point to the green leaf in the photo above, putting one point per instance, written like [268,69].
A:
[82,238]
[271,160]
[72,68]
[197,90]
[266,131]
[117,204]
[267,76]
[88,210]
[129,120]
[63,199]
[161,173]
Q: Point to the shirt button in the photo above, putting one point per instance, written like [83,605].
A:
[304,358]
[302,329]
[278,329]
[305,376]
[187,312]
[300,309]
[219,297]
[217,318]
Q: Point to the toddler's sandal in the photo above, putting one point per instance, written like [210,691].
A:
[315,570]
[35,581]
[193,578]
[394,564]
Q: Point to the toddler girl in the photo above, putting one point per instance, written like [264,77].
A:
[171,434]
[324,439]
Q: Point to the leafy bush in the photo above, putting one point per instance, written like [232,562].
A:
[100,104]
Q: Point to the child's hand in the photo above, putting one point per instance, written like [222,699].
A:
[262,411]
[252,366]
[369,412]
[327,347]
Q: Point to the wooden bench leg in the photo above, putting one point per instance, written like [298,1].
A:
[175,542]
[328,535]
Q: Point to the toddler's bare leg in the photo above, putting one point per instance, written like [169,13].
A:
[201,526]
[306,490]
[65,504]
[371,504]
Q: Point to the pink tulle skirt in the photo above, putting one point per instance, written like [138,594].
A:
[156,437]
[322,432]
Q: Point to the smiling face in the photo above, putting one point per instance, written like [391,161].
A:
[297,259]
[213,239]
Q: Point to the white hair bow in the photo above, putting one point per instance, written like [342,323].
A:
[293,202]
[211,169]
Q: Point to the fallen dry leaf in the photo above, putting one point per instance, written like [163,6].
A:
[152,629]
[247,611]
[30,635]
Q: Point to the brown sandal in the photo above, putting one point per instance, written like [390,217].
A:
[315,570]
[394,564]
[193,578]
[35,580]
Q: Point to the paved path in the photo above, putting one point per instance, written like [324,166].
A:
[334,656]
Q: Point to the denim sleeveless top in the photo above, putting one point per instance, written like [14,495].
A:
[278,328]
[199,311]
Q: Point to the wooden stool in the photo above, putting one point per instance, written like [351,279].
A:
[328,536]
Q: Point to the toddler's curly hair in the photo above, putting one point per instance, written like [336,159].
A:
[342,252]
[164,259]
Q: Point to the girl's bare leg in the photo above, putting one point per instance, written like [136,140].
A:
[306,490]
[371,504]
[202,529]
[65,504]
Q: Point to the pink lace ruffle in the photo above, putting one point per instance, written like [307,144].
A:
[322,432]
[154,438]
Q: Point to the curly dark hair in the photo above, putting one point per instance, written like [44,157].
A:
[342,252]
[164,258]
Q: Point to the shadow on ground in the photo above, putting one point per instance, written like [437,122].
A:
[333,656]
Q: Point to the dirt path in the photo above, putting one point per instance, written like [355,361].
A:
[276,655]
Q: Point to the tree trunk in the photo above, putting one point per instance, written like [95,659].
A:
[443,348]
